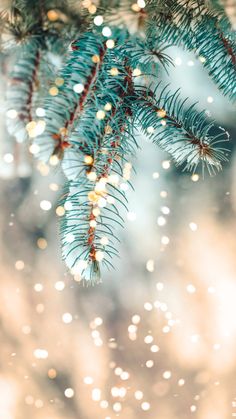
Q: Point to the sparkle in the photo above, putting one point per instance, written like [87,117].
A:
[54,187]
[52,373]
[96,394]
[96,212]
[95,59]
[68,206]
[92,176]
[132,328]
[150,265]
[92,9]
[54,160]
[53,91]
[181,382]
[98,20]
[210,99]
[114,71]
[34,148]
[150,130]
[117,407]
[137,72]
[93,223]
[193,226]
[45,205]
[124,375]
[159,286]
[148,306]
[52,15]
[69,393]
[149,363]
[178,61]
[106,31]
[59,82]
[88,380]
[108,106]
[38,404]
[67,318]
[148,339]
[19,265]
[38,287]
[118,371]
[42,243]
[154,348]
[8,158]
[145,406]
[100,114]
[166,375]
[165,240]
[136,319]
[60,211]
[195,177]
[165,210]
[155,175]
[115,391]
[59,285]
[98,321]
[135,7]
[43,168]
[138,395]
[161,221]
[41,353]
[191,289]
[78,88]
[40,112]
[163,194]
[166,329]
[166,164]
[202,59]
[12,113]
[161,113]
[110,44]
[141,3]
[99,255]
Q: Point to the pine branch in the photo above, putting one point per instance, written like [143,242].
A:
[20,93]
[77,80]
[208,34]
[98,168]
[102,94]
[219,55]
[146,55]
[184,133]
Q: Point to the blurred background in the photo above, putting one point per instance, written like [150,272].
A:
[157,339]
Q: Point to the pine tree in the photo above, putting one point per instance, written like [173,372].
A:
[84,79]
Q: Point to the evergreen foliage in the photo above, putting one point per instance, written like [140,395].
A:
[85,115]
